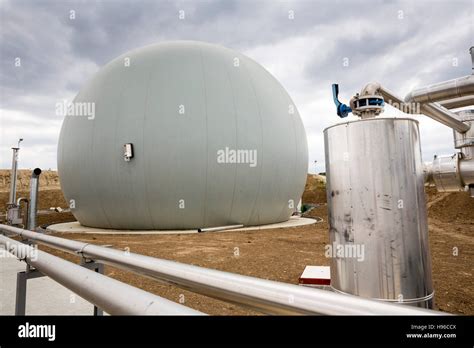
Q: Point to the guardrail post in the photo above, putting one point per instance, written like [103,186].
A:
[97,267]
[20,300]
[21,282]
[30,273]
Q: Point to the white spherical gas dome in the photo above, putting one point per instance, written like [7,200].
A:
[213,140]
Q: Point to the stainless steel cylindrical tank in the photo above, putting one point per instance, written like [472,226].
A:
[377,211]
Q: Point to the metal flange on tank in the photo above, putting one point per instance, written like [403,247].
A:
[376,203]
[365,105]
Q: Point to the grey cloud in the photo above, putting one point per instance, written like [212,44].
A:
[423,23]
[49,42]
[59,54]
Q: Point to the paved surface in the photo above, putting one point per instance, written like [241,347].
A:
[76,227]
[44,296]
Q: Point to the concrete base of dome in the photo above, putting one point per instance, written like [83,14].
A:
[76,227]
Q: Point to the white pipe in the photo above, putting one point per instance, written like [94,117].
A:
[219,228]
[456,88]
[13,176]
[27,203]
[33,206]
[108,294]
[263,295]
[433,110]
[457,102]
[444,116]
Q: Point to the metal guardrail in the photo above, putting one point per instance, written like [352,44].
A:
[266,296]
[110,295]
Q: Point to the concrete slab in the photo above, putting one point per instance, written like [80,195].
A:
[44,296]
[76,227]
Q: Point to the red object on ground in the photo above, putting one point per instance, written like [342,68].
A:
[316,275]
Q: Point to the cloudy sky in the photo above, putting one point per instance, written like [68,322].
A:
[62,44]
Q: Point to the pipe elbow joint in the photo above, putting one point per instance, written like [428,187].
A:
[36,173]
[372,88]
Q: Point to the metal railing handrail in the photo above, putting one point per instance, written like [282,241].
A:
[110,295]
[263,295]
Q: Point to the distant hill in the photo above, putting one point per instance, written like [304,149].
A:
[49,180]
[315,189]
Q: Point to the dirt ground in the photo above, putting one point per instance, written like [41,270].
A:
[451,232]
[276,254]
[282,254]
